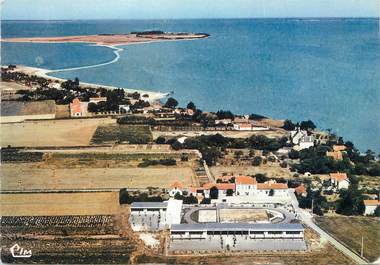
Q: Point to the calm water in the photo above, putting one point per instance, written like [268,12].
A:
[324,70]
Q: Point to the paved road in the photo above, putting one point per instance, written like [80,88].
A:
[307,218]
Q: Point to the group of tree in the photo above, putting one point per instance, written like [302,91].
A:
[304,125]
[126,198]
[315,161]
[213,146]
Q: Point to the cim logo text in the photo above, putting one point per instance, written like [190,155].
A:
[19,252]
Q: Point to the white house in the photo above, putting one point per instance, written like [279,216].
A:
[301,139]
[370,206]
[339,180]
[277,189]
[245,185]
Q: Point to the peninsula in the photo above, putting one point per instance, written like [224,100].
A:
[114,39]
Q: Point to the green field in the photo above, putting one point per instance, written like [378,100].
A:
[350,230]
[115,133]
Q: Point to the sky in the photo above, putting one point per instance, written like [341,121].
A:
[171,9]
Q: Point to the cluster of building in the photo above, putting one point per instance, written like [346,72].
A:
[242,124]
[79,108]
[234,188]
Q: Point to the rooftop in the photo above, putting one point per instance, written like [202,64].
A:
[149,204]
[236,227]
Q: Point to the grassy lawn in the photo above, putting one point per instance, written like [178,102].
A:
[114,133]
[350,230]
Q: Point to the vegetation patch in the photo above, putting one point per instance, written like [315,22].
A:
[164,162]
[350,231]
[115,133]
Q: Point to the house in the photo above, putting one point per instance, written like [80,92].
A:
[97,100]
[301,190]
[336,155]
[245,185]
[339,180]
[243,126]
[301,139]
[272,189]
[371,206]
[339,148]
[248,127]
[176,187]
[224,189]
[78,108]
[124,108]
[223,122]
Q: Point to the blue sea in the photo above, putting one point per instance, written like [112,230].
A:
[326,70]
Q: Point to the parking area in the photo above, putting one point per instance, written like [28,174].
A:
[235,243]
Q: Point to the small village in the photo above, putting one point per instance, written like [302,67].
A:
[178,180]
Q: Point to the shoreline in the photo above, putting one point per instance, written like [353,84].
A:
[116,49]
[44,73]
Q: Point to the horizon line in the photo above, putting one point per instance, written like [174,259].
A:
[231,18]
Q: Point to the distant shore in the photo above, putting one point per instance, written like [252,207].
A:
[44,73]
[112,40]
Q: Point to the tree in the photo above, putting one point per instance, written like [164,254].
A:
[307,125]
[190,200]
[76,81]
[191,106]
[222,114]
[160,140]
[257,161]
[238,154]
[289,125]
[214,192]
[377,211]
[171,103]
[92,107]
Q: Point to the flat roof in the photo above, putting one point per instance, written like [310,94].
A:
[236,227]
[149,205]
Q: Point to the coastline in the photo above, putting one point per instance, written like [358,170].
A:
[44,73]
[116,47]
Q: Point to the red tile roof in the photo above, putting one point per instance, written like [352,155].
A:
[300,189]
[177,185]
[339,147]
[245,180]
[274,186]
[338,176]
[371,202]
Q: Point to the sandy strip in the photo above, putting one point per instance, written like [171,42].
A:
[41,72]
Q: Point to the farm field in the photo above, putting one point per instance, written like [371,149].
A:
[30,177]
[51,132]
[58,204]
[272,170]
[88,239]
[350,230]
